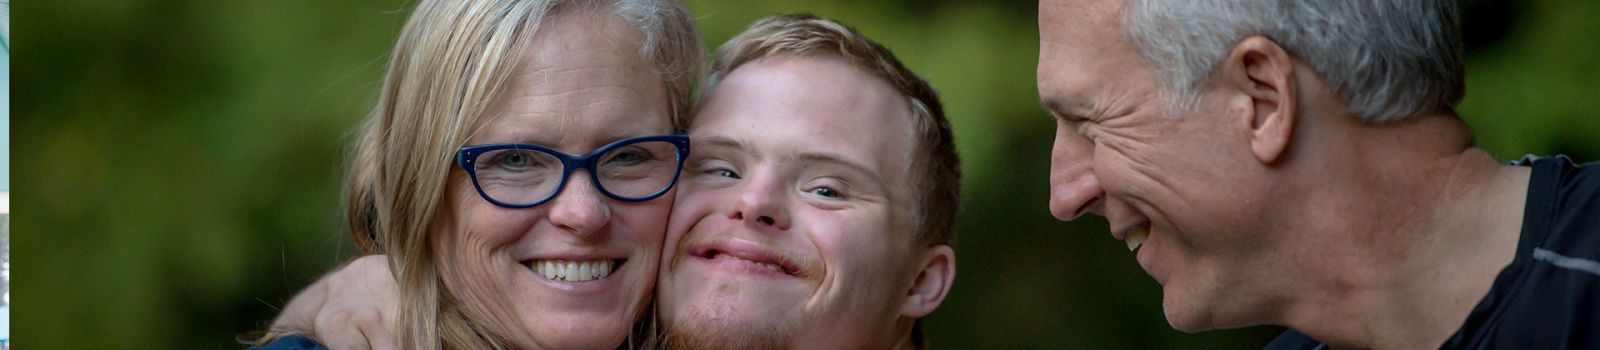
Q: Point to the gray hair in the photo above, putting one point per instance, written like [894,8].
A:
[1389,59]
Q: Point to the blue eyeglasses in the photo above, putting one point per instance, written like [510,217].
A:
[515,175]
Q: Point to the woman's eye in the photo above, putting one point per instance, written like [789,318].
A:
[628,156]
[514,160]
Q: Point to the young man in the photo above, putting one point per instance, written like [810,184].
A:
[817,208]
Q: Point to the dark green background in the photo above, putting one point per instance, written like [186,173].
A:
[177,162]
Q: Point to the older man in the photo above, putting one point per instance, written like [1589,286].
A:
[815,212]
[1299,163]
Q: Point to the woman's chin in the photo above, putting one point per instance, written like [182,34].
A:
[596,319]
[580,332]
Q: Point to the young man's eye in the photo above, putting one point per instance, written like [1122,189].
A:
[720,172]
[826,192]
[714,167]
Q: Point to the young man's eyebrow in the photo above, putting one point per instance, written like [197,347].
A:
[717,140]
[834,159]
[814,157]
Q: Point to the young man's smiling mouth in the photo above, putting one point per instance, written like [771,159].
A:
[745,256]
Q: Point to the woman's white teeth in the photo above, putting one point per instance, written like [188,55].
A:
[1136,238]
[572,271]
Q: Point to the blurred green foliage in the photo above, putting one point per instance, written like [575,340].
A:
[178,161]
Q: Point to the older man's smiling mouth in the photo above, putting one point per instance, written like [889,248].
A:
[1136,237]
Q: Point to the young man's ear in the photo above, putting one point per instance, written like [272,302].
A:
[1264,73]
[937,273]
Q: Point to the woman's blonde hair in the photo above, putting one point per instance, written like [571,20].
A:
[452,59]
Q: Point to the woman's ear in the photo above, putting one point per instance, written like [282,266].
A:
[936,273]
[1263,72]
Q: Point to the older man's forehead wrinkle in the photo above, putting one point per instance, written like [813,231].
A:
[1123,104]
[1092,13]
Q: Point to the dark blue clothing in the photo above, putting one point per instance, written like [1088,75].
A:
[1549,297]
[292,342]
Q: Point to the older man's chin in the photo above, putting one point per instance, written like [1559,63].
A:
[1183,320]
[1188,314]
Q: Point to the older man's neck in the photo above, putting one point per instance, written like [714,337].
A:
[1435,221]
[909,336]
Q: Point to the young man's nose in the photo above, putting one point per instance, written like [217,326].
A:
[762,203]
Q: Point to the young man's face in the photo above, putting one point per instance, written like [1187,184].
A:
[793,225]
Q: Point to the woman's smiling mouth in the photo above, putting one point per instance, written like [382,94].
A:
[573,270]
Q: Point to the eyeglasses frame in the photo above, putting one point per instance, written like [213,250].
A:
[467,156]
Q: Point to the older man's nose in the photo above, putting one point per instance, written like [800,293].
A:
[580,209]
[1070,198]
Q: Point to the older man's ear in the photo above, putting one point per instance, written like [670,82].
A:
[937,272]
[1264,75]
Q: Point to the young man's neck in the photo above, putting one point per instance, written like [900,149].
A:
[1438,219]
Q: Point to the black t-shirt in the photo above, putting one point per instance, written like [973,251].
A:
[1549,297]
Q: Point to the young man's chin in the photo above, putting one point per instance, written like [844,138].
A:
[703,332]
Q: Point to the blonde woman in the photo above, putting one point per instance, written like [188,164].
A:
[517,171]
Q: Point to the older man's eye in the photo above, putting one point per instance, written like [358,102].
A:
[1085,130]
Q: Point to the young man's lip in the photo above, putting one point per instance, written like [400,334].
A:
[743,250]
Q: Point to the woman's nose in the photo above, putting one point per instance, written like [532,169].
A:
[580,208]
